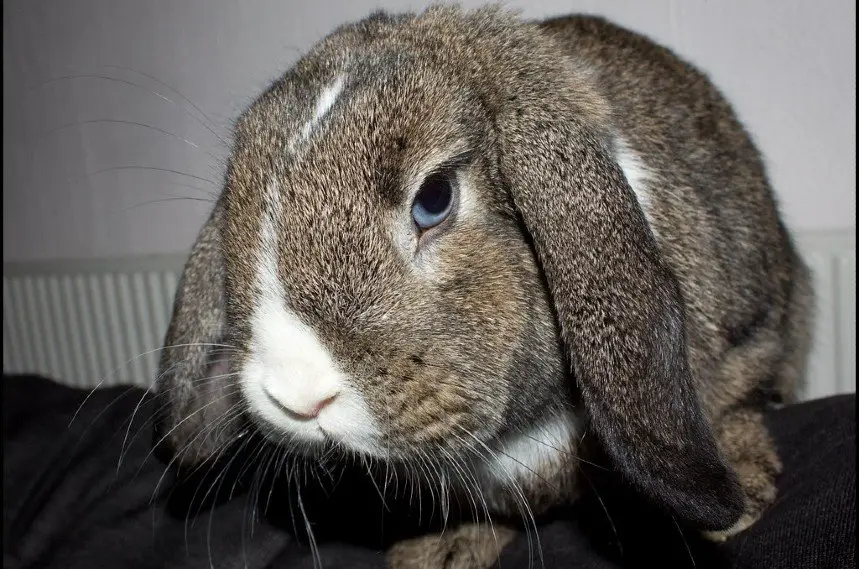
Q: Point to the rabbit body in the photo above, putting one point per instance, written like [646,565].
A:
[614,265]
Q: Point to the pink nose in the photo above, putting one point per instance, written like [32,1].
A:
[312,411]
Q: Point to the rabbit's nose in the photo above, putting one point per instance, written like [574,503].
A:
[312,410]
[304,406]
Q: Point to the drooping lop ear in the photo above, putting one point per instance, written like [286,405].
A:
[196,393]
[620,313]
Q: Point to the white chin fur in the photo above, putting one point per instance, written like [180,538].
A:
[524,455]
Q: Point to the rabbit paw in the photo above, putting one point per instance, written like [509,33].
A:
[469,546]
[724,535]
[750,450]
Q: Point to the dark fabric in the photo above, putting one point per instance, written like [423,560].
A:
[69,502]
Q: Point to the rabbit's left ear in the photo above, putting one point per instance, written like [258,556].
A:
[620,313]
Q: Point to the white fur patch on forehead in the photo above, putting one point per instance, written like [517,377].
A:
[324,102]
[638,176]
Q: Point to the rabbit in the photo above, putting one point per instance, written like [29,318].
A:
[470,238]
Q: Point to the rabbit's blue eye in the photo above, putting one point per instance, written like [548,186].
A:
[433,202]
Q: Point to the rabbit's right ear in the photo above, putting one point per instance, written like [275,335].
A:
[196,395]
[619,308]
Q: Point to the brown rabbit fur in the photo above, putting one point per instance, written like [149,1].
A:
[615,264]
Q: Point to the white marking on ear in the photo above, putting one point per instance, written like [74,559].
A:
[289,371]
[324,104]
[637,175]
[524,455]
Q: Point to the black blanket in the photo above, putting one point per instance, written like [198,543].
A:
[70,502]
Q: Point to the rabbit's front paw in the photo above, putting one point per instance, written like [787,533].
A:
[470,546]
[723,535]
[751,452]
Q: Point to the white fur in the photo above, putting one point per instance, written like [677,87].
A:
[525,454]
[324,103]
[289,368]
[638,176]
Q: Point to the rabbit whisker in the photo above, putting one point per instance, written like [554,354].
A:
[151,169]
[522,502]
[132,123]
[126,82]
[176,92]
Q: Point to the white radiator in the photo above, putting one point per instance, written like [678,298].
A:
[832,259]
[88,323]
[103,321]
